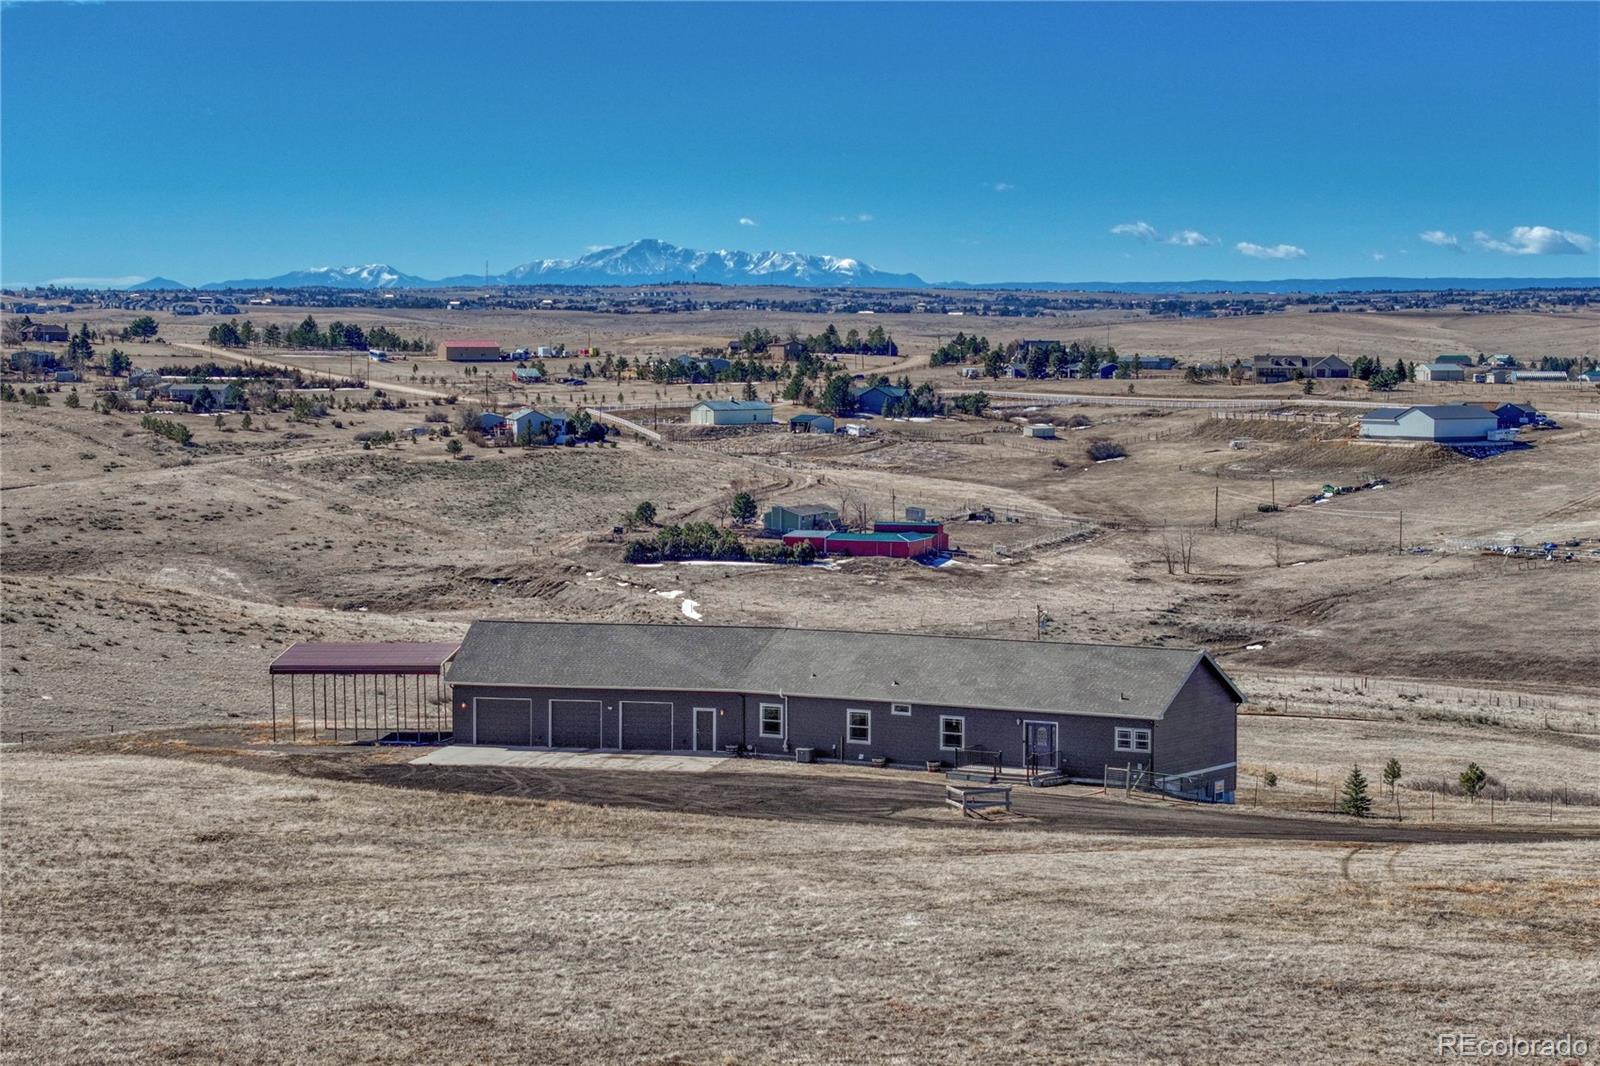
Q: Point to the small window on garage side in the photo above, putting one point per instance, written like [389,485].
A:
[772,719]
[902,709]
[952,733]
[858,727]
[1133,739]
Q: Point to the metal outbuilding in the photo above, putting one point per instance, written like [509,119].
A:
[381,686]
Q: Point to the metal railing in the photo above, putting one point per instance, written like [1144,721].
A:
[979,757]
[1042,762]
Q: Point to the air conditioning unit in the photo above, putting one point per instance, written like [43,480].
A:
[803,754]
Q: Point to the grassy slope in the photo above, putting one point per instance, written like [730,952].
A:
[166,909]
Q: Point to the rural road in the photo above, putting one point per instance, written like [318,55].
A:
[853,799]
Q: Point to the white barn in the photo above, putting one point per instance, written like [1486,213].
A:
[730,413]
[1450,423]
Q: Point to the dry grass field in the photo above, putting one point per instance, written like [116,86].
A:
[183,908]
[177,911]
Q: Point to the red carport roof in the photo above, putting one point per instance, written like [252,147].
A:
[395,657]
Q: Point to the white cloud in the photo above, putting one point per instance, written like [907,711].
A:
[1439,238]
[1003,186]
[1144,231]
[1190,238]
[863,217]
[1538,240]
[1276,251]
[860,217]
[1378,257]
[747,222]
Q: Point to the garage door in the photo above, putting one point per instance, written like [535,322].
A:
[504,721]
[646,726]
[575,723]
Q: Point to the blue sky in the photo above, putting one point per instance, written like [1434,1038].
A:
[1073,142]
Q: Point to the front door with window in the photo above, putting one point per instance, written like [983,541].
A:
[1039,741]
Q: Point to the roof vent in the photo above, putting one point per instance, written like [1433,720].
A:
[1122,696]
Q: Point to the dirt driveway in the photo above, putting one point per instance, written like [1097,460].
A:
[846,797]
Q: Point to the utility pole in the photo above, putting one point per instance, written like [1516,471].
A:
[1216,507]
[1274,494]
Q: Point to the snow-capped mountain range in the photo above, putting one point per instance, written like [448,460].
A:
[638,262]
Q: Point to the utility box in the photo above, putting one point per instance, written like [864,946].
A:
[803,754]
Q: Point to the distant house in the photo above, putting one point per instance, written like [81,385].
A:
[1458,359]
[527,375]
[1107,370]
[1152,362]
[469,351]
[878,398]
[185,391]
[1502,359]
[1512,415]
[512,425]
[1273,369]
[1439,372]
[730,413]
[1591,376]
[1442,423]
[786,519]
[31,361]
[1493,376]
[64,377]
[1538,375]
[811,423]
[44,333]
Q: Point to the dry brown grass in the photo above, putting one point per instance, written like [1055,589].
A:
[159,909]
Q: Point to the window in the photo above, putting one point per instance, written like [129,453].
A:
[772,719]
[858,727]
[900,708]
[952,733]
[1133,740]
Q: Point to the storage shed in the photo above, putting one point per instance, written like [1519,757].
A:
[470,351]
[811,423]
[1039,430]
[1440,372]
[1443,423]
[786,518]
[730,413]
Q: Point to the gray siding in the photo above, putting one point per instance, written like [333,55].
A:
[1199,731]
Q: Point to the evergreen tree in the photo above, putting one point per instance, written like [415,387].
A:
[1472,780]
[1391,773]
[1353,798]
[743,508]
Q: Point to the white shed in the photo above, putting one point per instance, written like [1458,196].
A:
[730,413]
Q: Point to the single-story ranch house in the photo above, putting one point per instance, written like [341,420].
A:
[906,698]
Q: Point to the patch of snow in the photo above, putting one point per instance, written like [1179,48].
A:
[1117,459]
[1254,647]
[691,609]
[718,562]
[649,566]
[674,594]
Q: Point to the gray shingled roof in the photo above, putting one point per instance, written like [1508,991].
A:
[1448,411]
[977,672]
[733,405]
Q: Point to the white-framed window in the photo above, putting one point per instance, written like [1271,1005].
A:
[1133,739]
[902,709]
[858,726]
[952,732]
[772,719]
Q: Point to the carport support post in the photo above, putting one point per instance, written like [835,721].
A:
[294,718]
[273,684]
